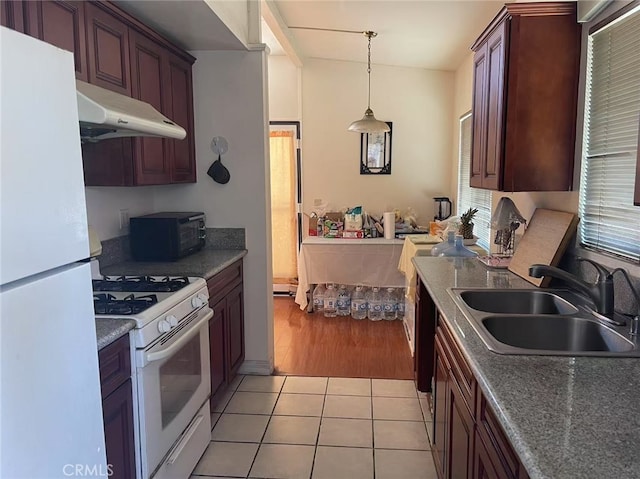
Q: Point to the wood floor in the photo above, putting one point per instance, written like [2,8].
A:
[312,345]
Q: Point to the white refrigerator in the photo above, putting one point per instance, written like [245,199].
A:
[50,402]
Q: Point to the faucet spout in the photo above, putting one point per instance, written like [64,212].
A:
[600,292]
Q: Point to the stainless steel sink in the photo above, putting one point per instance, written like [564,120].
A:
[556,333]
[517,302]
[541,322]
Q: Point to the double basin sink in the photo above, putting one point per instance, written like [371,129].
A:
[542,322]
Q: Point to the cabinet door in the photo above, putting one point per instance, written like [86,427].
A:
[460,435]
[235,311]
[217,348]
[483,468]
[108,50]
[479,130]
[441,378]
[62,24]
[148,81]
[496,53]
[117,412]
[179,108]
[425,331]
[12,14]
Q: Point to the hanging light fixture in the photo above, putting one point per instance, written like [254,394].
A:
[369,123]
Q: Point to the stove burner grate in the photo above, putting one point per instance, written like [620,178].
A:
[104,303]
[140,283]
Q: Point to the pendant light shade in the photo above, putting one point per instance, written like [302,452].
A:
[368,123]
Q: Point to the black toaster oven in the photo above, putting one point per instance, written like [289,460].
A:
[166,236]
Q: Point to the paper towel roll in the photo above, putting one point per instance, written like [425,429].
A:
[389,225]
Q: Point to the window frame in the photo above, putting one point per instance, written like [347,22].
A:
[605,18]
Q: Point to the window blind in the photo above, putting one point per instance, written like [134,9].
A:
[609,220]
[472,197]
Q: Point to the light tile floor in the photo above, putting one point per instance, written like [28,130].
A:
[291,427]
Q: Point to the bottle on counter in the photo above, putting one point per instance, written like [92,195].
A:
[389,304]
[330,301]
[374,304]
[441,247]
[358,303]
[320,226]
[318,298]
[343,304]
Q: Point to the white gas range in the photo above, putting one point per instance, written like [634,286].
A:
[171,366]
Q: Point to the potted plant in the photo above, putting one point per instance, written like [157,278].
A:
[466,223]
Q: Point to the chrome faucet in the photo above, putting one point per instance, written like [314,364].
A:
[600,292]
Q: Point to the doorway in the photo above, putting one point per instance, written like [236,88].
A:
[286,197]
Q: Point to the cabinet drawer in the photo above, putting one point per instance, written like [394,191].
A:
[223,282]
[459,367]
[499,448]
[115,365]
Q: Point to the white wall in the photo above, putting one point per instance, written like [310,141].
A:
[417,101]
[230,101]
[104,205]
[284,89]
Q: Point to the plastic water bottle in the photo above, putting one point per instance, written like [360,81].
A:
[374,309]
[330,301]
[389,304]
[343,304]
[400,303]
[318,298]
[358,303]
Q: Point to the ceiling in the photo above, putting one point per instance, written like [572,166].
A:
[432,34]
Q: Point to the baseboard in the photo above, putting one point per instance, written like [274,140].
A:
[260,368]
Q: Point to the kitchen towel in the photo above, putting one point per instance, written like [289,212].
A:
[389,220]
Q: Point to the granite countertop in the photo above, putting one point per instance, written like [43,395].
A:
[108,330]
[566,417]
[204,264]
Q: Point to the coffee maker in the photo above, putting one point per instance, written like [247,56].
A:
[441,208]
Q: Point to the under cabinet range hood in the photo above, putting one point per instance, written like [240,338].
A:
[104,114]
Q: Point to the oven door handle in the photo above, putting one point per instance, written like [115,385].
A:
[182,340]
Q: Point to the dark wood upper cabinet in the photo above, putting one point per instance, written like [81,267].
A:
[526,70]
[108,50]
[62,24]
[149,71]
[179,107]
[12,14]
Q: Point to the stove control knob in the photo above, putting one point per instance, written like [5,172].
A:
[196,302]
[203,298]
[164,326]
[173,321]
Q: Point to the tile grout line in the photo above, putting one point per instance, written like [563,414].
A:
[266,428]
[315,449]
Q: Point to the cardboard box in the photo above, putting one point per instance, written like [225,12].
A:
[353,234]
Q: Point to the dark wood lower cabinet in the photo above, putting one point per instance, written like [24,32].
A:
[117,412]
[226,328]
[217,350]
[117,408]
[468,441]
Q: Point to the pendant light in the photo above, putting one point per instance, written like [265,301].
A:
[369,123]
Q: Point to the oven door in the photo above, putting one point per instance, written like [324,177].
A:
[173,384]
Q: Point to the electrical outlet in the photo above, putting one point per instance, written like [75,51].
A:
[124,219]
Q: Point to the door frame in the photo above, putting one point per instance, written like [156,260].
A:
[291,290]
